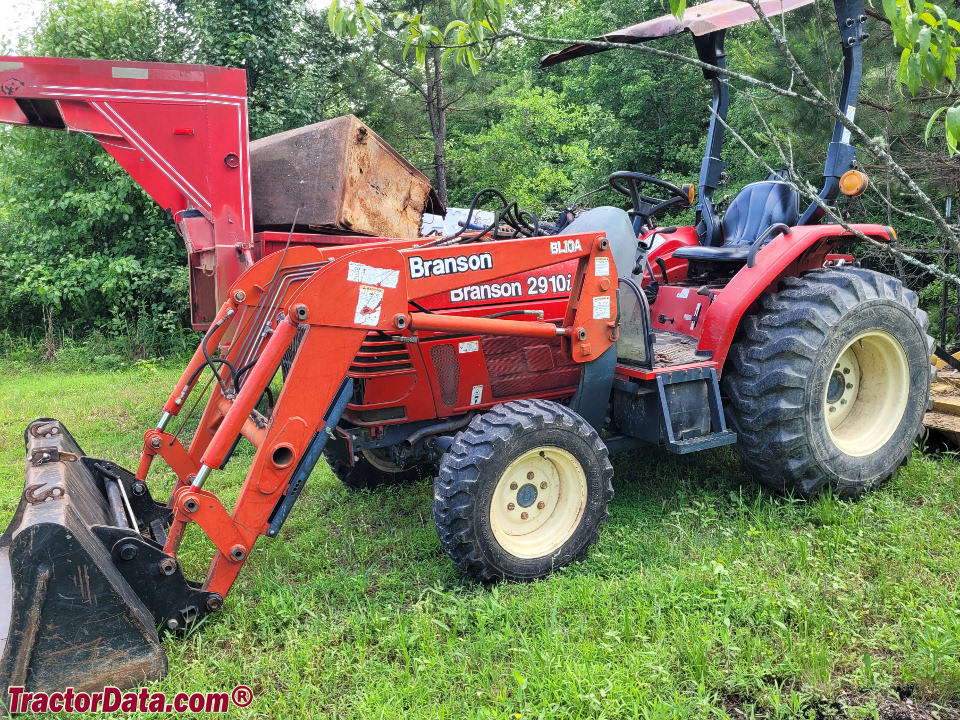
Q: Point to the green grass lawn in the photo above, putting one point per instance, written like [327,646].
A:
[705,597]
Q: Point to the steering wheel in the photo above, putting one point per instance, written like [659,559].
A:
[645,207]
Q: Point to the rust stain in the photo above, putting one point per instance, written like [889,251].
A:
[82,581]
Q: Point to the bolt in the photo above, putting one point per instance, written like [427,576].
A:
[172,624]
[128,551]
[541,505]
[191,505]
[833,409]
[155,442]
[139,488]
[543,485]
[214,603]
[524,516]
[237,553]
[513,486]
[511,506]
[530,475]
[301,312]
[168,566]
[838,366]
[843,401]
[239,296]
[849,385]
[846,371]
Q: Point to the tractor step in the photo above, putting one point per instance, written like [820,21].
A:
[679,408]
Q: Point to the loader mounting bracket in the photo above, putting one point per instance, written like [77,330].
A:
[151,516]
[158,580]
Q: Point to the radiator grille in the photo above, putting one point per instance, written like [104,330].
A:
[378,356]
[447,368]
[521,365]
[291,354]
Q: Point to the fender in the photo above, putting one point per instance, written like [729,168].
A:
[676,268]
[801,251]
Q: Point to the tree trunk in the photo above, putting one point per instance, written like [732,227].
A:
[438,121]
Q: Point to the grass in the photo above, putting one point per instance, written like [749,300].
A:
[706,596]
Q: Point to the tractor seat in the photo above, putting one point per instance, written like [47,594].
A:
[755,208]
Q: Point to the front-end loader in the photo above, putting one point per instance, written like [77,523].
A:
[509,368]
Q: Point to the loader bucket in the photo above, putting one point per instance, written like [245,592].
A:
[67,616]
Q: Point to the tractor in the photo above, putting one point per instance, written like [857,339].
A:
[508,364]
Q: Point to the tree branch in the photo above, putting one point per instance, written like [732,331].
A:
[811,193]
[868,142]
[403,77]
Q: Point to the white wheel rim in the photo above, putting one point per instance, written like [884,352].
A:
[538,502]
[866,393]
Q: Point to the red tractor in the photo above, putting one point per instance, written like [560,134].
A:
[508,368]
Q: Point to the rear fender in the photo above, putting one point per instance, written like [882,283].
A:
[786,255]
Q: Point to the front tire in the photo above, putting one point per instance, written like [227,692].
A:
[829,383]
[522,491]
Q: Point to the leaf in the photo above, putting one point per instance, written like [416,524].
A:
[924,40]
[930,122]
[893,13]
[677,7]
[913,73]
[333,16]
[912,22]
[952,123]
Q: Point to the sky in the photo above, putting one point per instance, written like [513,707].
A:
[16,16]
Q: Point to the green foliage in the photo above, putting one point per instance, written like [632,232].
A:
[542,152]
[78,237]
[931,45]
[81,237]
[467,33]
[291,65]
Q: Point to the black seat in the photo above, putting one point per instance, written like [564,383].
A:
[755,208]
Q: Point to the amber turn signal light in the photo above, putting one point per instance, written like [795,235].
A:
[853,183]
[691,190]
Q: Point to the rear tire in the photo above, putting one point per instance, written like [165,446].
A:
[372,469]
[522,491]
[830,382]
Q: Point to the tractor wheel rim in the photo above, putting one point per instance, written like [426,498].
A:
[380,459]
[538,502]
[866,393]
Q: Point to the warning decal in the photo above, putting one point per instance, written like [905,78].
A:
[358,272]
[601,307]
[368,305]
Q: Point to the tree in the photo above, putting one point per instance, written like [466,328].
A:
[78,237]
[292,66]
[467,27]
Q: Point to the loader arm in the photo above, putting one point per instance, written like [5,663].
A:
[332,299]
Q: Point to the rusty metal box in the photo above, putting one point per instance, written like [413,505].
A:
[343,177]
